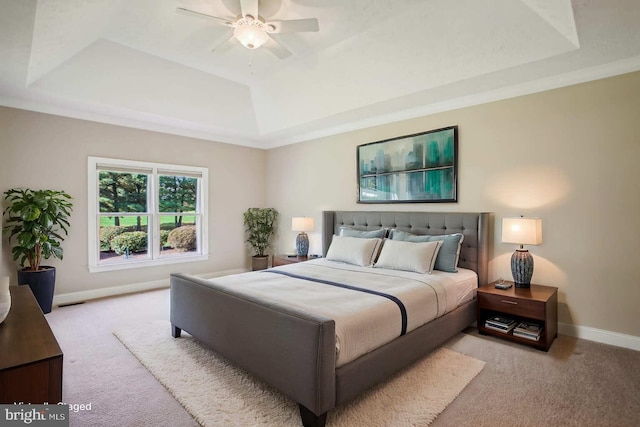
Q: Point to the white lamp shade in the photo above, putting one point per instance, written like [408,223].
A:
[301,224]
[522,231]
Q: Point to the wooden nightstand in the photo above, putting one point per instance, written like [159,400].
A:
[283,259]
[537,304]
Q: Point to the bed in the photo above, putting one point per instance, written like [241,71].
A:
[295,349]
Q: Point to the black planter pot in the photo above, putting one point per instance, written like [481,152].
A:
[42,284]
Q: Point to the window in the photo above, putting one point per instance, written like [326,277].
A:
[143,214]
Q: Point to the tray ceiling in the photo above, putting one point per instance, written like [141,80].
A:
[138,63]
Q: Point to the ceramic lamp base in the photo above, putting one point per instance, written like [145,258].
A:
[302,244]
[522,268]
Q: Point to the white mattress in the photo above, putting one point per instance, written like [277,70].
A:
[364,322]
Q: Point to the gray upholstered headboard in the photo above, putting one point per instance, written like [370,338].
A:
[474,253]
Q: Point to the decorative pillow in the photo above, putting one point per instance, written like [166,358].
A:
[353,250]
[373,234]
[409,256]
[449,253]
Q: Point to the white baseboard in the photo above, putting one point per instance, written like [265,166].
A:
[76,297]
[600,335]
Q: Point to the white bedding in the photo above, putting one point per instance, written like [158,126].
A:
[464,285]
[363,321]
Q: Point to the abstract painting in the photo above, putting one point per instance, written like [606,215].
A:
[414,168]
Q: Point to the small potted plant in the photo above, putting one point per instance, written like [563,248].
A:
[260,224]
[36,219]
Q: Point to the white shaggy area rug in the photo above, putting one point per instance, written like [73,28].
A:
[217,393]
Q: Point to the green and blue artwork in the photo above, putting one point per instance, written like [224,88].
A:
[414,168]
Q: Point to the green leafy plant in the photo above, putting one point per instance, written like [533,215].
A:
[135,241]
[183,238]
[260,224]
[36,219]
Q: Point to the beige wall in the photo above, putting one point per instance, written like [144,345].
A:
[46,151]
[569,156]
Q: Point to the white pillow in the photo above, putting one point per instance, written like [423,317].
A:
[409,256]
[353,250]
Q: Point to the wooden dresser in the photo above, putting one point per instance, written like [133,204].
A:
[30,357]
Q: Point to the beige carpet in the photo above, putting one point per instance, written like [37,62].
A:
[218,394]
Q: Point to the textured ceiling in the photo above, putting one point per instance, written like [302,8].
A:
[138,63]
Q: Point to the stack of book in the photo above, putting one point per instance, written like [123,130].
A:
[529,331]
[500,324]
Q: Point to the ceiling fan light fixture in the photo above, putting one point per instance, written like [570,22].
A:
[250,32]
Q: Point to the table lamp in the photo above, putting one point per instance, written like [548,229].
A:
[522,231]
[302,224]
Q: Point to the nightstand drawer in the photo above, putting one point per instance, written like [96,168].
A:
[511,305]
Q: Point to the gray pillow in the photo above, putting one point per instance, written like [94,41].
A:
[373,234]
[449,253]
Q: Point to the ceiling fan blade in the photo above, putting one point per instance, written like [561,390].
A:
[292,26]
[222,42]
[276,48]
[249,7]
[187,12]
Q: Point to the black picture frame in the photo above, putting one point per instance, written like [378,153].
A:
[418,168]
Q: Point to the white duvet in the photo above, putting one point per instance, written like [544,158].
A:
[363,321]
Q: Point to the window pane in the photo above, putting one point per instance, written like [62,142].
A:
[178,235]
[127,241]
[177,193]
[122,192]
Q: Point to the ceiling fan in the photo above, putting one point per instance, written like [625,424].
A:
[252,31]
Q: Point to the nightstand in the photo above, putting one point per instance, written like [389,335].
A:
[283,259]
[537,304]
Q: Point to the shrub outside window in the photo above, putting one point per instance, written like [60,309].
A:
[143,214]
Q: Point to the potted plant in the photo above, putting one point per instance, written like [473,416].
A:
[36,219]
[260,224]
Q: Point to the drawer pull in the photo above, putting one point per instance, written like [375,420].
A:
[510,302]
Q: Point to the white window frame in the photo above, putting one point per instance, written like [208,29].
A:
[154,171]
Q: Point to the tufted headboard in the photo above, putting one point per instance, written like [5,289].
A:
[474,253]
